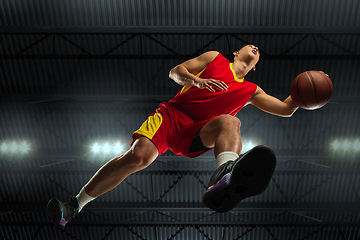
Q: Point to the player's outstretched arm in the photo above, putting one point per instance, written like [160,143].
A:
[273,105]
[185,73]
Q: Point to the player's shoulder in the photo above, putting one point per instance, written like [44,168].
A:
[209,55]
[215,53]
[258,90]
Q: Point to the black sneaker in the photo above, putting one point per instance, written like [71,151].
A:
[247,176]
[60,212]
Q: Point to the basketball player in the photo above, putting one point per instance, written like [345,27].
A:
[199,118]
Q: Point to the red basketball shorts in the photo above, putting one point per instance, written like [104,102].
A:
[169,128]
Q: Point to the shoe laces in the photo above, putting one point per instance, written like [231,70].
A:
[72,208]
[220,172]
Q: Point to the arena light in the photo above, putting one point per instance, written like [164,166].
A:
[4,147]
[356,145]
[335,145]
[118,148]
[96,148]
[107,148]
[345,145]
[14,147]
[24,147]
[247,145]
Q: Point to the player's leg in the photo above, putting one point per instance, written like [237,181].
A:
[142,153]
[223,134]
[236,177]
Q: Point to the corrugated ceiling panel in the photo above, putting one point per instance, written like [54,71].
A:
[124,77]
[67,126]
[109,216]
[181,13]
[285,187]
[74,127]
[184,233]
[150,76]
[161,44]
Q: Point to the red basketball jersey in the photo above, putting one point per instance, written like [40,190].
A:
[201,104]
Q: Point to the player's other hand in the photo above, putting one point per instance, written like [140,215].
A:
[210,84]
[324,74]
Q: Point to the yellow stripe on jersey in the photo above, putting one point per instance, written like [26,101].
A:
[150,126]
[235,78]
[185,88]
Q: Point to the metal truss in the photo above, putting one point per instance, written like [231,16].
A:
[140,39]
[185,231]
[180,30]
[43,111]
[290,206]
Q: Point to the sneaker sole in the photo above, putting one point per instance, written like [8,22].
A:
[251,176]
[54,210]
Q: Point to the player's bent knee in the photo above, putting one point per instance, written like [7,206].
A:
[229,121]
[140,160]
[136,160]
[142,156]
[212,129]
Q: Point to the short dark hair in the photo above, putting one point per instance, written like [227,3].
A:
[243,44]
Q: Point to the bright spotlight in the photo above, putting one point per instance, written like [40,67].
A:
[356,145]
[117,148]
[13,147]
[24,147]
[4,147]
[106,148]
[335,145]
[346,145]
[96,148]
[247,146]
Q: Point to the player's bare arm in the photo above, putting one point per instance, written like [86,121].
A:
[185,73]
[272,105]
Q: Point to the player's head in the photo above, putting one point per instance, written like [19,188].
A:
[249,54]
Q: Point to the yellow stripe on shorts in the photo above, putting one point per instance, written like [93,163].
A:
[150,126]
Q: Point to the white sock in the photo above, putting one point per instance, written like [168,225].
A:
[224,157]
[83,198]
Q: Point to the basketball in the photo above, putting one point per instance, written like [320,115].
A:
[311,90]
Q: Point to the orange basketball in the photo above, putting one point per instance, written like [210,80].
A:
[311,90]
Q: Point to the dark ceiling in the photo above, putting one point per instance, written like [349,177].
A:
[74,72]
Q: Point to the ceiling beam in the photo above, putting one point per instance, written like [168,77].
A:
[190,207]
[200,170]
[117,101]
[186,210]
[161,56]
[180,30]
[254,224]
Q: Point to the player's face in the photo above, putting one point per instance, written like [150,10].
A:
[249,54]
[250,50]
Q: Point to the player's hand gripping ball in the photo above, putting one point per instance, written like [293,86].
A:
[311,90]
